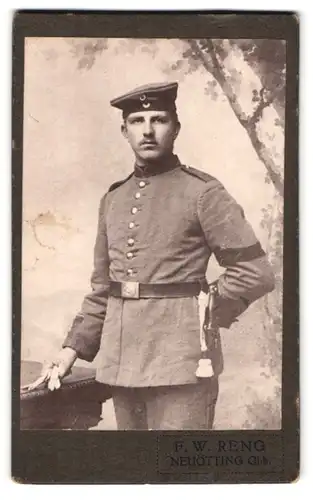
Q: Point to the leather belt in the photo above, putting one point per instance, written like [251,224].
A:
[136,290]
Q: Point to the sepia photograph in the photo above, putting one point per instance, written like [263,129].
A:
[152,233]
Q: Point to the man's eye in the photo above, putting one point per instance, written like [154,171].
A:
[135,120]
[160,119]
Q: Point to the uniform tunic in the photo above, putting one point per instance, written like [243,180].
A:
[162,227]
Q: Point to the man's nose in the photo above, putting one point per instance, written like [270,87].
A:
[147,129]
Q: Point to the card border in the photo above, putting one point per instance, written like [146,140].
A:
[36,454]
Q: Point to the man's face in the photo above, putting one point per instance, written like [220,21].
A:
[151,134]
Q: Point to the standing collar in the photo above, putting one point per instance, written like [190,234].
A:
[158,168]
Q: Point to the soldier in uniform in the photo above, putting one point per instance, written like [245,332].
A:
[156,232]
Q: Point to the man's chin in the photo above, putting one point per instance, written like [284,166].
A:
[151,155]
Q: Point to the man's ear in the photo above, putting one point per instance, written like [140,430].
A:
[178,127]
[124,130]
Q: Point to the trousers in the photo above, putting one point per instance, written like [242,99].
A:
[177,407]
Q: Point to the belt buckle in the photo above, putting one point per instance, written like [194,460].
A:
[130,290]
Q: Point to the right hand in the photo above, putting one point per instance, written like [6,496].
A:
[64,361]
[53,371]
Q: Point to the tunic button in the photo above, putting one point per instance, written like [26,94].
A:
[129,255]
[134,210]
[131,225]
[142,184]
[129,272]
[137,195]
[130,242]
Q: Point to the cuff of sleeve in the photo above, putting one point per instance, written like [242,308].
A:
[86,346]
[82,351]
[226,311]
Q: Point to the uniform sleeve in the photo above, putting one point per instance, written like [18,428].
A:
[85,333]
[248,275]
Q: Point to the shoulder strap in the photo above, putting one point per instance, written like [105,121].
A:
[119,183]
[197,173]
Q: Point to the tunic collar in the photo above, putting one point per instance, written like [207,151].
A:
[157,168]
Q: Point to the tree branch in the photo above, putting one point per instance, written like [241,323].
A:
[216,72]
[267,160]
[264,103]
[247,122]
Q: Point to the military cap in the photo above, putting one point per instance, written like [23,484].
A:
[151,97]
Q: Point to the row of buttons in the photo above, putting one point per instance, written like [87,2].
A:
[131,225]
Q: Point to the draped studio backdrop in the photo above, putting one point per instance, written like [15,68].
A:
[231,107]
